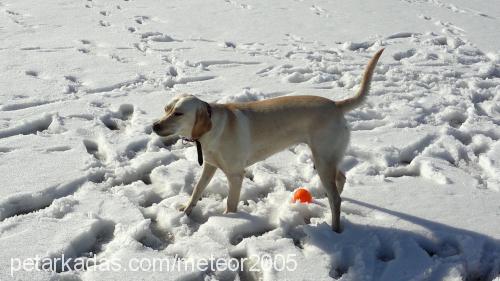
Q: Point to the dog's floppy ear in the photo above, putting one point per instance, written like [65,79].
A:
[203,123]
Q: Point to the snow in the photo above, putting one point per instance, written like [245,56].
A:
[84,177]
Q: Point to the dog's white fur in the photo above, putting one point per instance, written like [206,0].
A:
[237,135]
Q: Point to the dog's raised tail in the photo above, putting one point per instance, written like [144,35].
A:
[351,103]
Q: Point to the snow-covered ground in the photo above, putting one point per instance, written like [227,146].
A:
[83,176]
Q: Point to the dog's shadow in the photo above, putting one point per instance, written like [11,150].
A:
[434,251]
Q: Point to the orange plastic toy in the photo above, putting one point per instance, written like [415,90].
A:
[302,195]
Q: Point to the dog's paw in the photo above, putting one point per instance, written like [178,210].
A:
[336,228]
[228,211]
[186,209]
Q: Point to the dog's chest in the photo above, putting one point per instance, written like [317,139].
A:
[215,159]
[225,160]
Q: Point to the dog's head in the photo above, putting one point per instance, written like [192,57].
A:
[185,116]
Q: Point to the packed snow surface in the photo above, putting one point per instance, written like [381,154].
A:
[83,176]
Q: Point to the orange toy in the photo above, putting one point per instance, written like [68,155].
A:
[302,195]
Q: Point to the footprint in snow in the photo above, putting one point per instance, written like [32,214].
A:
[104,23]
[73,84]
[156,238]
[31,73]
[141,19]
[102,233]
[84,50]
[116,120]
[136,147]
[93,148]
[404,55]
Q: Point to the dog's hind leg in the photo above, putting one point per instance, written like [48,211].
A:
[326,162]
[340,181]
[206,175]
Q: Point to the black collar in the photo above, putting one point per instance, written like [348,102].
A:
[198,144]
[209,110]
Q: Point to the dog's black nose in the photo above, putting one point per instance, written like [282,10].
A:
[156,126]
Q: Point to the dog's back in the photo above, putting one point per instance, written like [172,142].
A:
[278,123]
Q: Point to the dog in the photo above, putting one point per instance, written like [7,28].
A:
[234,136]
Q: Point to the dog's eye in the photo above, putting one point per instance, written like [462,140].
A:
[178,113]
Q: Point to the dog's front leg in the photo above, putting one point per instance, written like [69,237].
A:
[235,180]
[206,175]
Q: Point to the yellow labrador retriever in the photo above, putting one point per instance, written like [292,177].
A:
[236,135]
